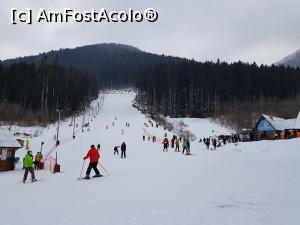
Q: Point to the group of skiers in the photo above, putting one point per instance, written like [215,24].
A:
[211,141]
[149,138]
[176,142]
[217,141]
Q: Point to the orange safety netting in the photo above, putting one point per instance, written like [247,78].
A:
[49,164]
[48,160]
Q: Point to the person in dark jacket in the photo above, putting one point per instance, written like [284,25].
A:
[123,150]
[172,141]
[207,143]
[214,143]
[94,156]
[116,151]
[188,147]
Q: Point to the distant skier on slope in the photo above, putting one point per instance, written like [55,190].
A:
[38,157]
[94,156]
[27,144]
[172,141]
[123,150]
[188,147]
[184,145]
[116,151]
[165,144]
[176,145]
[153,139]
[214,142]
[207,143]
[28,161]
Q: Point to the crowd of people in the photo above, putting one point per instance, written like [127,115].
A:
[218,141]
[176,142]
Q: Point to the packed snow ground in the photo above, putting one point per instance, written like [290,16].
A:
[251,183]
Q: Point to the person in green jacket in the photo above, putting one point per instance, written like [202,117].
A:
[28,162]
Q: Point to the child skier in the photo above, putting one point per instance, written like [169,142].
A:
[165,144]
[37,160]
[116,151]
[94,156]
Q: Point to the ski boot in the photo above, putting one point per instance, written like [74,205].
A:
[97,175]
[87,177]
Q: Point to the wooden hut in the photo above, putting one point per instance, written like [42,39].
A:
[8,146]
[267,127]
[270,127]
[294,128]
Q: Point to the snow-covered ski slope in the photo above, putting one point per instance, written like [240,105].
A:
[251,184]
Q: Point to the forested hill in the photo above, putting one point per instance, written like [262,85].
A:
[115,64]
[168,85]
[31,93]
[239,91]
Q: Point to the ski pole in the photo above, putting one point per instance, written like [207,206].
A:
[82,168]
[104,169]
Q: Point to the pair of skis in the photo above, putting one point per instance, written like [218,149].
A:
[82,178]
[91,178]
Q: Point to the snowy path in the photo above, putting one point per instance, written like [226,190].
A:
[254,183]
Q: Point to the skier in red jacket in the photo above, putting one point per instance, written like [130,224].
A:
[166,144]
[94,156]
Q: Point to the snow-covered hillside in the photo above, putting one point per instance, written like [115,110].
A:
[250,183]
[292,60]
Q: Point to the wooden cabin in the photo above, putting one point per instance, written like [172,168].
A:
[270,127]
[295,128]
[8,147]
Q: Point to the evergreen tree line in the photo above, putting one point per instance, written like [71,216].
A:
[38,90]
[207,89]
[165,85]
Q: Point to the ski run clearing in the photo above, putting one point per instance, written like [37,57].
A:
[254,183]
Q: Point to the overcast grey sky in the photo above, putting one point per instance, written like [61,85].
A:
[249,30]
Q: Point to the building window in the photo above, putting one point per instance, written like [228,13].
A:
[4,154]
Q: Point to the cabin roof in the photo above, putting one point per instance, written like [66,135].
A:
[283,124]
[7,140]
